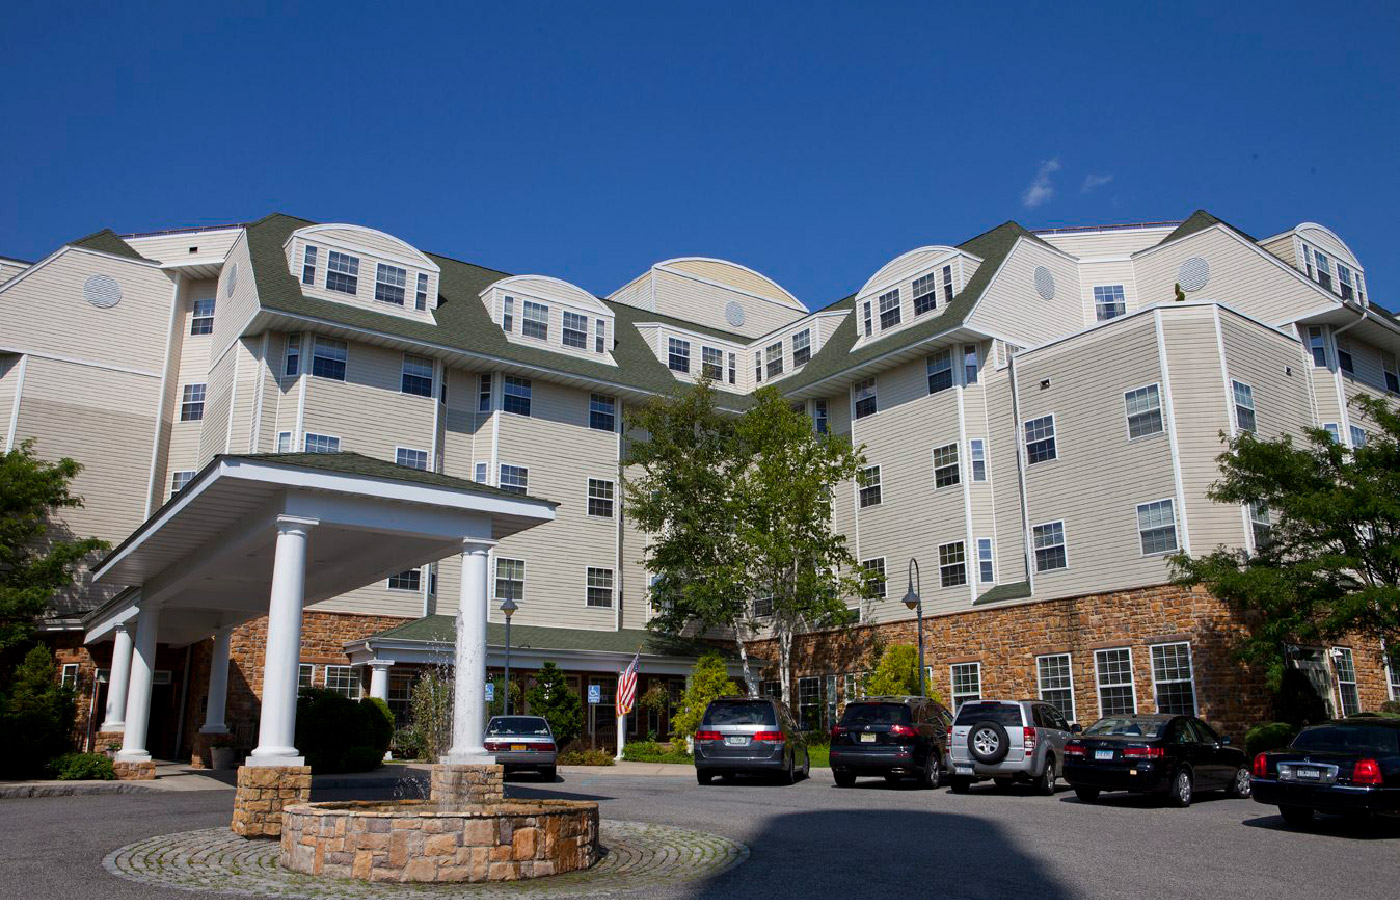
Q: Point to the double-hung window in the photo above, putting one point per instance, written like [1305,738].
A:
[1334,431]
[1358,436]
[342,680]
[868,481]
[1391,373]
[1144,407]
[1172,681]
[977,450]
[678,355]
[291,366]
[510,579]
[483,392]
[733,368]
[600,498]
[712,363]
[417,375]
[284,442]
[308,265]
[178,481]
[939,368]
[952,564]
[1346,284]
[1317,345]
[600,587]
[342,272]
[867,400]
[970,363]
[1323,269]
[328,358]
[407,580]
[773,357]
[420,294]
[1344,360]
[414,459]
[192,402]
[1113,670]
[1055,681]
[821,417]
[801,347]
[865,316]
[534,320]
[966,679]
[389,283]
[306,675]
[1157,527]
[1048,541]
[947,284]
[1109,302]
[515,395]
[1244,407]
[602,413]
[515,479]
[320,443]
[874,577]
[1343,662]
[575,331]
[508,313]
[762,608]
[600,335]
[1260,525]
[202,322]
[945,466]
[925,293]
[757,366]
[986,562]
[1040,439]
[1392,670]
[889,309]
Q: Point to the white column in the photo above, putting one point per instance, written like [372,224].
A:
[118,679]
[218,684]
[138,697]
[469,690]
[379,678]
[278,726]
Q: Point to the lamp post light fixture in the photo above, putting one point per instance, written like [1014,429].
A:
[914,602]
[508,607]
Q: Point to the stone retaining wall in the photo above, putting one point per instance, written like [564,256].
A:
[135,771]
[262,795]
[462,786]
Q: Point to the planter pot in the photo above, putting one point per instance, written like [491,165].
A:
[223,758]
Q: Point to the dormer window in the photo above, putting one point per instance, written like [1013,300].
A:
[712,363]
[757,366]
[865,314]
[678,356]
[889,309]
[534,321]
[342,272]
[925,294]
[801,347]
[774,358]
[389,283]
[308,265]
[1344,276]
[948,283]
[1324,269]
[508,313]
[420,296]
[575,331]
[733,373]
[600,335]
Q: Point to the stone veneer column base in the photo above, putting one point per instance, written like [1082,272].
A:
[135,771]
[262,793]
[200,756]
[457,787]
[105,739]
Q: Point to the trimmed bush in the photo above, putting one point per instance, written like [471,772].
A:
[652,752]
[82,767]
[337,734]
[1268,736]
[584,757]
[1391,708]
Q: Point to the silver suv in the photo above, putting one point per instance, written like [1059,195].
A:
[1007,741]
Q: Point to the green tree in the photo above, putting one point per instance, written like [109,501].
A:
[37,557]
[496,706]
[551,697]
[36,716]
[898,673]
[1330,564]
[429,729]
[710,679]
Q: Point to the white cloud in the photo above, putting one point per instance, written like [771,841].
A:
[1041,190]
[1092,181]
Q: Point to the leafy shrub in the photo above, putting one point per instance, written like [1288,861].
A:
[652,752]
[36,716]
[1268,736]
[428,734]
[579,756]
[898,674]
[709,680]
[551,697]
[82,767]
[817,738]
[338,734]
[1391,707]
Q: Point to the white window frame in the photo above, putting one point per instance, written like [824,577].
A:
[890,313]
[600,335]
[1335,656]
[420,292]
[522,390]
[179,480]
[416,378]
[519,479]
[1334,431]
[332,440]
[1390,373]
[866,482]
[952,556]
[977,458]
[1392,673]
[416,588]
[865,389]
[284,442]
[954,693]
[986,556]
[925,287]
[306,675]
[336,353]
[356,689]
[483,392]
[1317,343]
[349,270]
[496,578]
[69,676]
[610,499]
[192,399]
[291,356]
[202,319]
[1175,526]
[869,330]
[309,258]
[1041,687]
[602,405]
[1190,678]
[872,564]
[534,319]
[573,330]
[821,416]
[955,464]
[939,364]
[801,348]
[590,587]
[1063,543]
[773,359]
[1111,298]
[1052,437]
[409,456]
[971,369]
[1100,686]
[507,313]
[1152,398]
[1358,436]
[390,282]
[1243,396]
[480,471]
[678,355]
[712,363]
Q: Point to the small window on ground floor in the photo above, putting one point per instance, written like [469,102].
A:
[1172,681]
[966,681]
[1055,680]
[1114,670]
[343,680]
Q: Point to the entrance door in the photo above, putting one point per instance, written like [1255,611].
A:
[1312,662]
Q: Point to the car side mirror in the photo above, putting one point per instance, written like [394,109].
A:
[1076,728]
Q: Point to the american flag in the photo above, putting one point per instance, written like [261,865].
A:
[627,686]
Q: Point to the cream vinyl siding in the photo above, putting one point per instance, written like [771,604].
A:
[9,391]
[250,377]
[175,248]
[1012,308]
[218,397]
[232,313]
[9,269]
[1259,356]
[367,411]
[1329,245]
[1118,242]
[1004,477]
[636,292]
[377,600]
[1240,276]
[1366,360]
[743,279]
[1284,247]
[900,273]
[1088,376]
[684,297]
[980,495]
[1102,274]
[463,429]
[370,249]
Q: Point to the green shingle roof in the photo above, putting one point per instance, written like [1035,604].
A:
[1016,590]
[107,241]
[443,630]
[1200,220]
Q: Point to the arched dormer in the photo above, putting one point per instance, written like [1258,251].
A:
[365,267]
[715,293]
[552,314]
[909,288]
[1325,258]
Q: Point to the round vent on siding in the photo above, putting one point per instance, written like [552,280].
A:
[734,313]
[232,280]
[1044,283]
[102,291]
[1193,274]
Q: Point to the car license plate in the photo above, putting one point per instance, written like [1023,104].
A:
[1103,754]
[736,741]
[867,738]
[962,770]
[1306,773]
[516,748]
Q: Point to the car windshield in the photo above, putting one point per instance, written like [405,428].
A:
[518,725]
[1349,738]
[740,712]
[1125,726]
[1001,713]
[875,714]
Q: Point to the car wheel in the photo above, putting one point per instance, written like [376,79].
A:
[1180,793]
[549,773]
[1239,785]
[1045,784]
[960,785]
[933,775]
[1296,816]
[1086,794]
[704,777]
[806,766]
[987,742]
[844,779]
[789,774]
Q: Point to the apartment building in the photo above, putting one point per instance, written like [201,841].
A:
[1040,414]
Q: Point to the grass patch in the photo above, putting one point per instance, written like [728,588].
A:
[821,757]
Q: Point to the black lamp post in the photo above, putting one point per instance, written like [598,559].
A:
[508,607]
[914,602]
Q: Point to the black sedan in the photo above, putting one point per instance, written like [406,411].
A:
[1348,766]
[1173,755]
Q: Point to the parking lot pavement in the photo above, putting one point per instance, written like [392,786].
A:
[815,840]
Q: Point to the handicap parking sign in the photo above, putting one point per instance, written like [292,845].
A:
[490,691]
[595,693]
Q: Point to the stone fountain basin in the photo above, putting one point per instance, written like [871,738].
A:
[422,841]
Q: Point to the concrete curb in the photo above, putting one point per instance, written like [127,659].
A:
[74,789]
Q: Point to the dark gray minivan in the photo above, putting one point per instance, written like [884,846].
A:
[750,735]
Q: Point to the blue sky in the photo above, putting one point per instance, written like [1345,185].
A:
[812,141]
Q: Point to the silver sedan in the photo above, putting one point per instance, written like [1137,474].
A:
[523,742]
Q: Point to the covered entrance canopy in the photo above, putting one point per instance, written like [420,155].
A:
[266,534]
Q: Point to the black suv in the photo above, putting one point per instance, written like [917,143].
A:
[896,737]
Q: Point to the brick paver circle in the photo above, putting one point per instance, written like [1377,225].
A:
[638,857]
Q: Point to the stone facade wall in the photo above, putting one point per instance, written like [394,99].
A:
[135,771]
[459,787]
[1006,641]
[263,792]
